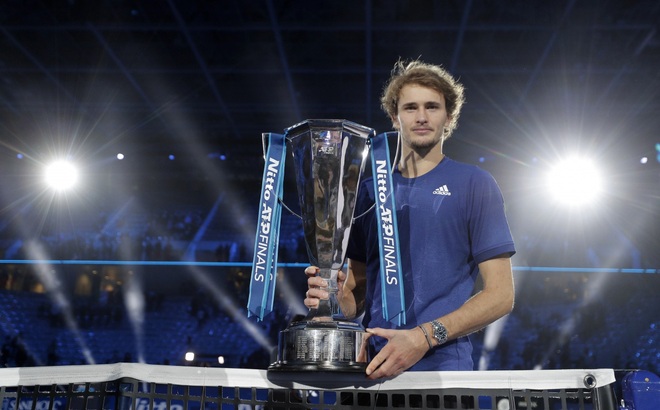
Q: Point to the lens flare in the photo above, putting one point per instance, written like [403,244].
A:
[574,182]
[61,175]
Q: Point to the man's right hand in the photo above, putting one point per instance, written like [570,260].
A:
[317,287]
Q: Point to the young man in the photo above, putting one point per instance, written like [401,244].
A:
[452,228]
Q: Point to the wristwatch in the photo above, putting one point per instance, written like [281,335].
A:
[439,332]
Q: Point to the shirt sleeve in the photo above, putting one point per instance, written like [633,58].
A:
[489,230]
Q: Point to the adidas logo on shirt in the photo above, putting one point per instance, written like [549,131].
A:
[443,190]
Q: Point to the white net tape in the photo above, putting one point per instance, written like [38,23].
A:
[206,376]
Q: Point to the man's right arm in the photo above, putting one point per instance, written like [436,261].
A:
[354,290]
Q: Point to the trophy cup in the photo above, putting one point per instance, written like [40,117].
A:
[329,157]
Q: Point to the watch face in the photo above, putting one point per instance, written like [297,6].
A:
[439,332]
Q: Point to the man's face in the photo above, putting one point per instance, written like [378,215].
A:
[421,116]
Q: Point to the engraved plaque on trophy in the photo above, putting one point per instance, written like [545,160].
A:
[329,157]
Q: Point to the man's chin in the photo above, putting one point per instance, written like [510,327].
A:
[424,144]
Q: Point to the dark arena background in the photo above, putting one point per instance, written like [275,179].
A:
[131,164]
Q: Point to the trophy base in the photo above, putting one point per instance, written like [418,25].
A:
[340,367]
[333,346]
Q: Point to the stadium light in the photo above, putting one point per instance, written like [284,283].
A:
[190,356]
[574,182]
[61,175]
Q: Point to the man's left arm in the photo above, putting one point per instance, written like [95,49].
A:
[495,300]
[407,347]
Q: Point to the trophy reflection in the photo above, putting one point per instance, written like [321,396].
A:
[329,157]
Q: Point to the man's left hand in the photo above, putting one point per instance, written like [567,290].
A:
[404,348]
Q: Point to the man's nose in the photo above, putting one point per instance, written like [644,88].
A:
[421,116]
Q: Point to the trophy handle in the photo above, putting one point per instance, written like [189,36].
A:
[264,148]
[395,160]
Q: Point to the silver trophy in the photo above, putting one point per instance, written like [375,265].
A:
[329,157]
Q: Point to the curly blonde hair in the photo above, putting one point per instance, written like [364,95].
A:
[425,75]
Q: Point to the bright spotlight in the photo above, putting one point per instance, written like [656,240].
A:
[574,182]
[61,175]
[190,356]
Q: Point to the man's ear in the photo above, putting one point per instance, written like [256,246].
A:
[395,123]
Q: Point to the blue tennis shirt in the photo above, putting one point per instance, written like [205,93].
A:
[450,220]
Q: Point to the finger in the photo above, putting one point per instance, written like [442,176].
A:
[311,271]
[313,297]
[316,293]
[388,367]
[311,303]
[379,331]
[317,282]
[373,365]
